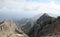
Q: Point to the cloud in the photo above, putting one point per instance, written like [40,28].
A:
[23,6]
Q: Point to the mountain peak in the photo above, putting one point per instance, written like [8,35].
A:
[45,14]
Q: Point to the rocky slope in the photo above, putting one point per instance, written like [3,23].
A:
[9,29]
[46,26]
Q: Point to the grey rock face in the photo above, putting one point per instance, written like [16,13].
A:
[39,27]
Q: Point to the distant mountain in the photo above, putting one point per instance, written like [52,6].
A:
[22,21]
[28,26]
[9,29]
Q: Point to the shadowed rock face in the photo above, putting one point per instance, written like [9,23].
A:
[9,29]
[51,30]
[45,26]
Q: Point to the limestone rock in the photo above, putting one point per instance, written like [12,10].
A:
[9,29]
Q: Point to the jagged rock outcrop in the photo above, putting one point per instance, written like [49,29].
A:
[44,26]
[10,29]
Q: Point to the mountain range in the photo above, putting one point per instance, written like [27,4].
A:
[43,26]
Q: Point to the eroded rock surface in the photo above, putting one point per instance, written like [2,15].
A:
[9,29]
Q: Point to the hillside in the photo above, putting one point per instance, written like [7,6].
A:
[46,26]
[9,29]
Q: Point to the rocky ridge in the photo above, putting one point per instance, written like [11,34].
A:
[9,29]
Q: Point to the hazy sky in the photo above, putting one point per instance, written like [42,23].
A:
[30,7]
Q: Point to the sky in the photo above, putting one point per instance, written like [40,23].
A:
[28,8]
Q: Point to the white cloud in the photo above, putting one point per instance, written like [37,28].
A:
[29,7]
